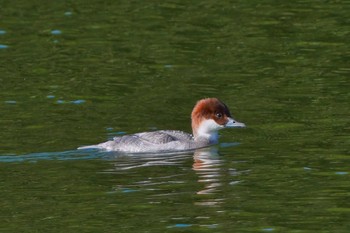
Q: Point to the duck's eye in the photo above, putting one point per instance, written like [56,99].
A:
[218,115]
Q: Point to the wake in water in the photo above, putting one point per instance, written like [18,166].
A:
[64,155]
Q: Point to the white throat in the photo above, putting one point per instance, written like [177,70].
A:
[208,130]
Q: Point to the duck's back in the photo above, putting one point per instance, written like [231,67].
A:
[164,136]
[156,141]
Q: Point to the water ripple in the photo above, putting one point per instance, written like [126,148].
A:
[64,155]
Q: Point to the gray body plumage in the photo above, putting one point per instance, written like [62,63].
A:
[151,142]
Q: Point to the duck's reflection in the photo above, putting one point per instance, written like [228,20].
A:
[208,165]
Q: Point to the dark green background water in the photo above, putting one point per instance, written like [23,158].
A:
[75,73]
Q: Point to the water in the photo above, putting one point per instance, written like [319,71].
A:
[79,73]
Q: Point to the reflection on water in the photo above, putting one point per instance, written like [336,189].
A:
[187,180]
[207,165]
[132,162]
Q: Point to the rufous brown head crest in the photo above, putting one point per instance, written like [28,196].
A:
[210,108]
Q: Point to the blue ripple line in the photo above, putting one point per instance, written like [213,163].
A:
[65,155]
[56,32]
[182,225]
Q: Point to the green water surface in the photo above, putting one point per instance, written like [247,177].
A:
[76,73]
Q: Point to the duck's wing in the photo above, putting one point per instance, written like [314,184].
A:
[178,135]
[160,137]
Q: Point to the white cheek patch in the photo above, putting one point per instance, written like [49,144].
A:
[209,129]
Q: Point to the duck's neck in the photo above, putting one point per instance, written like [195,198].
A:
[203,133]
[210,138]
[206,130]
